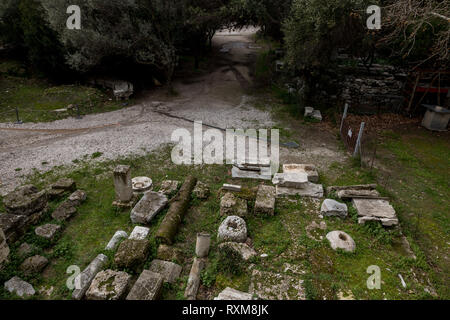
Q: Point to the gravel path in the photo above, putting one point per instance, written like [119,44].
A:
[216,99]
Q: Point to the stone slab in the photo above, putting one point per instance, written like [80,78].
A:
[132,254]
[265,200]
[309,169]
[109,285]
[139,233]
[147,287]
[47,231]
[264,174]
[168,270]
[233,294]
[332,208]
[375,210]
[19,287]
[296,180]
[26,200]
[310,190]
[148,207]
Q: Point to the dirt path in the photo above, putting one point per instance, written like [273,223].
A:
[216,98]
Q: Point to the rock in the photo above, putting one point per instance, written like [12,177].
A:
[316,231]
[169,187]
[169,253]
[264,173]
[4,249]
[84,279]
[234,229]
[291,180]
[19,287]
[147,287]
[310,190]
[148,207]
[202,245]
[109,285]
[194,279]
[332,189]
[141,184]
[64,184]
[275,286]
[13,226]
[55,193]
[308,112]
[122,184]
[375,210]
[47,231]
[331,208]
[64,211]
[114,242]
[231,187]
[132,253]
[349,194]
[34,264]
[309,169]
[265,200]
[168,270]
[243,249]
[139,233]
[317,115]
[341,240]
[233,205]
[77,198]
[201,190]
[233,294]
[25,249]
[25,201]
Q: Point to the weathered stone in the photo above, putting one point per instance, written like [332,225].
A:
[84,279]
[233,294]
[349,194]
[194,279]
[309,169]
[55,193]
[333,208]
[114,242]
[19,287]
[169,253]
[375,210]
[201,190]
[13,226]
[317,115]
[231,187]
[264,173]
[168,270]
[169,187]
[310,190]
[4,249]
[265,200]
[109,285]
[25,249]
[316,231]
[64,211]
[275,286]
[65,184]
[148,207]
[308,112]
[243,249]
[139,233]
[132,253]
[25,200]
[77,198]
[47,231]
[122,183]
[297,180]
[141,184]
[34,264]
[341,240]
[233,205]
[147,287]
[234,229]
[202,245]
[353,187]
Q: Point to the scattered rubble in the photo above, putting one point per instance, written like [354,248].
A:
[139,233]
[201,191]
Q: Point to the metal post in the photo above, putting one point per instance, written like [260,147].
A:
[344,116]
[358,142]
[17,117]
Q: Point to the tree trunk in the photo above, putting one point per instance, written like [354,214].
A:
[178,207]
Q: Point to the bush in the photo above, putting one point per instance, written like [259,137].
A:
[230,261]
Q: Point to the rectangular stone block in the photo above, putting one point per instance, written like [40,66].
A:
[291,180]
[310,190]
[309,169]
[168,270]
[147,287]
[265,200]
[264,174]
[375,210]
[122,183]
